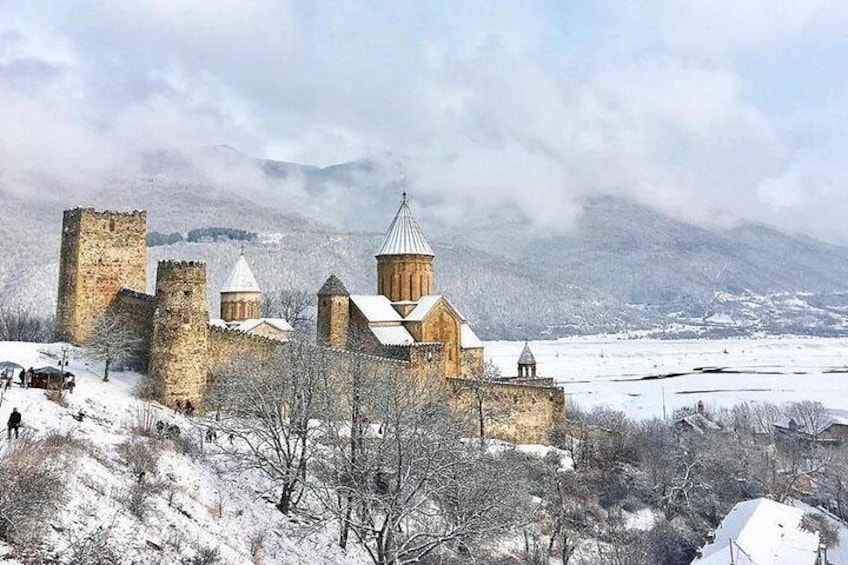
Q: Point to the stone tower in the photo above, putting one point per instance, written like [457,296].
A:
[333,313]
[241,298]
[405,260]
[180,324]
[526,362]
[102,252]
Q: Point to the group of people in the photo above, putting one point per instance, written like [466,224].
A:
[186,408]
[8,375]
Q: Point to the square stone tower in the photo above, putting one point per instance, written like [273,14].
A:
[102,252]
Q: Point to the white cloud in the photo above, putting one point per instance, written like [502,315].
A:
[491,105]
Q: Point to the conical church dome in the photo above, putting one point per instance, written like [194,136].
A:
[241,279]
[405,236]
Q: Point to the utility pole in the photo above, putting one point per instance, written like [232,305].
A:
[64,362]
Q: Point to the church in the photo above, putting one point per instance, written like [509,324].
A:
[405,312]
[241,306]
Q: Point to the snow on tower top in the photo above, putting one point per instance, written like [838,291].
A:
[405,236]
[241,279]
[526,357]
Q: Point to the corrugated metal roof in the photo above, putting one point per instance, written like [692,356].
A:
[526,357]
[241,279]
[405,236]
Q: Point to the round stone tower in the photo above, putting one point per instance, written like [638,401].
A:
[241,298]
[180,324]
[405,260]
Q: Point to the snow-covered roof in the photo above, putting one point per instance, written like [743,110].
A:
[761,532]
[698,423]
[375,308]
[333,286]
[405,236]
[392,335]
[469,339]
[241,278]
[526,357]
[276,323]
[427,303]
[218,323]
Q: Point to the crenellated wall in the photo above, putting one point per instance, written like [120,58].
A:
[225,347]
[101,253]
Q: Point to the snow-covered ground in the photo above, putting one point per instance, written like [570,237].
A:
[640,376]
[208,508]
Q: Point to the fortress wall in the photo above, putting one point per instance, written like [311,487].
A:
[136,311]
[226,347]
[517,413]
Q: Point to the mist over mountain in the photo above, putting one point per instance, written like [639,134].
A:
[621,266]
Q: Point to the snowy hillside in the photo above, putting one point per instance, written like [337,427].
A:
[621,266]
[181,508]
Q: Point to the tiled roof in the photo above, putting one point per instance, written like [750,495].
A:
[333,286]
[241,279]
[405,236]
[526,357]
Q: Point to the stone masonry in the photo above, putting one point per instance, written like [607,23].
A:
[101,253]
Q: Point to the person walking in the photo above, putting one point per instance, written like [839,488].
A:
[13,424]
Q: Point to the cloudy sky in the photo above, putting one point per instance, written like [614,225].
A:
[715,111]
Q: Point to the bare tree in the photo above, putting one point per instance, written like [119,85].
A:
[19,323]
[486,408]
[295,306]
[272,409]
[411,487]
[112,342]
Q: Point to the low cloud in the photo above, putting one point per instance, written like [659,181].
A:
[490,107]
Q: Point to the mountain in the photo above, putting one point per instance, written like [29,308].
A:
[623,267]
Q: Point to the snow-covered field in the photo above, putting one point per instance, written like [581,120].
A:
[640,376]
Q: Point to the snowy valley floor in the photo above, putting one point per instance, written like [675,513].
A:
[639,376]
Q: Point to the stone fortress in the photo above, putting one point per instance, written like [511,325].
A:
[102,271]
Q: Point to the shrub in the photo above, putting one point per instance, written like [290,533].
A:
[32,488]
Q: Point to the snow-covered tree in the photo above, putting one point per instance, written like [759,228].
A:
[111,342]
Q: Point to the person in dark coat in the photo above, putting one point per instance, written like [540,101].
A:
[13,424]
[189,408]
[21,376]
[178,406]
